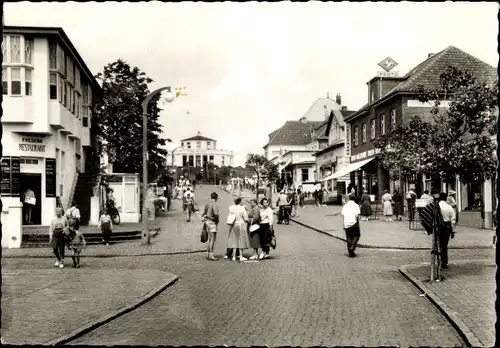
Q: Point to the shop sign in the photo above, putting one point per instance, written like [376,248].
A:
[32,145]
[348,139]
[10,184]
[50,177]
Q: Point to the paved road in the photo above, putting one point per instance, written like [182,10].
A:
[309,293]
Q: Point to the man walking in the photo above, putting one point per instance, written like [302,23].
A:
[350,220]
[446,230]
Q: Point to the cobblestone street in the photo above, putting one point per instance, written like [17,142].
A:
[308,293]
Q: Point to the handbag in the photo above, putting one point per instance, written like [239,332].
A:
[273,242]
[204,234]
[231,219]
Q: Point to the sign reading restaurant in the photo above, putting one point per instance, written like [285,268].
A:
[32,144]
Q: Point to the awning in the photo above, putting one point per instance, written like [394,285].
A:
[346,170]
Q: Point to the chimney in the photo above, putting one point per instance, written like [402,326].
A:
[199,133]
[344,108]
[338,99]
[328,94]
[430,55]
[303,120]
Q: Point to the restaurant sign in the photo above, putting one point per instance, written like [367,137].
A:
[32,145]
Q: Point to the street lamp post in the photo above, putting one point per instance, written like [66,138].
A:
[145,239]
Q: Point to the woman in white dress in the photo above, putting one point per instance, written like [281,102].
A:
[387,204]
[238,234]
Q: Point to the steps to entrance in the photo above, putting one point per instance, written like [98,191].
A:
[41,240]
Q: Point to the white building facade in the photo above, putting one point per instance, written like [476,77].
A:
[197,151]
[47,101]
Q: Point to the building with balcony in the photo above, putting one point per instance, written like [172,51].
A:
[195,153]
[48,93]
[393,100]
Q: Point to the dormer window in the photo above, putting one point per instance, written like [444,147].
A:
[182,145]
[208,145]
[188,145]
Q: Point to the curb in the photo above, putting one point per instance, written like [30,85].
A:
[107,255]
[106,319]
[463,330]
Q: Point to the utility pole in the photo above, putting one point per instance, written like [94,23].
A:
[435,258]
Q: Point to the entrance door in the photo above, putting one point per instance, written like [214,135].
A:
[34,183]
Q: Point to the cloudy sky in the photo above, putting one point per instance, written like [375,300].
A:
[249,67]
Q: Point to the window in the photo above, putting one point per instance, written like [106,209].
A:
[356,136]
[363,133]
[305,174]
[182,145]
[70,73]
[28,50]
[26,160]
[77,79]
[28,85]
[61,90]
[85,94]
[372,129]
[5,82]
[85,119]
[208,145]
[393,118]
[373,97]
[15,82]
[71,99]
[382,124]
[61,60]
[65,94]
[77,105]
[53,86]
[198,144]
[15,49]
[4,47]
[223,159]
[188,144]
[198,161]
[53,53]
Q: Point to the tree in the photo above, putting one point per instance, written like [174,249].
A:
[223,173]
[261,166]
[119,116]
[456,141]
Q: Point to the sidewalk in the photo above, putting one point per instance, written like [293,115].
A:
[48,306]
[381,234]
[466,295]
[175,236]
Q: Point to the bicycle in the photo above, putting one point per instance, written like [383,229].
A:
[112,209]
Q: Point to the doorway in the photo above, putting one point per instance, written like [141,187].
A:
[34,183]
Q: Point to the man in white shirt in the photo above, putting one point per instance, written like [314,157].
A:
[350,221]
[446,230]
[282,203]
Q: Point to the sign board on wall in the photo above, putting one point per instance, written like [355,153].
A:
[50,177]
[348,140]
[10,184]
[29,144]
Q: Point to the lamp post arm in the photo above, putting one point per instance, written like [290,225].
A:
[150,96]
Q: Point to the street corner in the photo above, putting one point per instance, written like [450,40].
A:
[464,294]
[61,304]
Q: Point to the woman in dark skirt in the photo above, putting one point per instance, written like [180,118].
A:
[266,228]
[398,204]
[366,206]
[254,219]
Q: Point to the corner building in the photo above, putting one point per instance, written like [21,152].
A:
[48,93]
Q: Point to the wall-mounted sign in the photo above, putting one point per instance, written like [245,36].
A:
[348,139]
[418,104]
[5,183]
[32,145]
[388,73]
[15,176]
[50,177]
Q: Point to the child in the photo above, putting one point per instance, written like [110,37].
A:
[105,225]
[77,244]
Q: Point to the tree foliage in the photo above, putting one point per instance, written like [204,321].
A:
[119,119]
[261,166]
[457,140]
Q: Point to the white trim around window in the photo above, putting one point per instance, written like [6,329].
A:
[382,124]
[363,133]
[356,136]
[17,81]
[372,129]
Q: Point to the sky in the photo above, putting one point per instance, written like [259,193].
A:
[249,67]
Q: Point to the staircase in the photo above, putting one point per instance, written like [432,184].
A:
[82,194]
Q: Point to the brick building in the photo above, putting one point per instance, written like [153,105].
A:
[392,100]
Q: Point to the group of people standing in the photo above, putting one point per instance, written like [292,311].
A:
[250,228]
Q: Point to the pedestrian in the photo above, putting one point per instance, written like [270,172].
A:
[266,229]
[189,203]
[366,206]
[387,205]
[229,251]
[77,244]
[411,197]
[238,231]
[105,224]
[211,221]
[73,217]
[301,198]
[324,196]
[58,229]
[446,231]
[451,201]
[282,204]
[296,200]
[254,219]
[398,205]
[29,202]
[350,220]
[316,198]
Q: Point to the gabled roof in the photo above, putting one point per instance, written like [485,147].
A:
[427,74]
[319,132]
[339,115]
[293,133]
[316,111]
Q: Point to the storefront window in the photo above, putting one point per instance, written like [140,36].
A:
[474,196]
